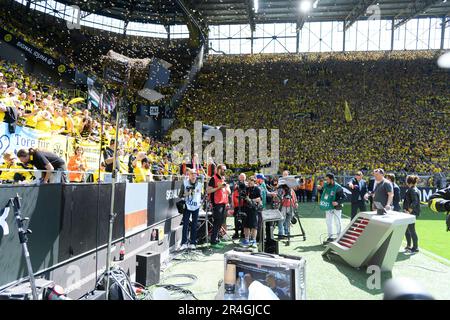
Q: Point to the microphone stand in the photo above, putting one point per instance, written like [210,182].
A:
[112,214]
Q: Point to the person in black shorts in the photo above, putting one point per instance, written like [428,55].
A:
[252,204]
[48,162]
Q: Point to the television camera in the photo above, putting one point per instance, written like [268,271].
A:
[285,185]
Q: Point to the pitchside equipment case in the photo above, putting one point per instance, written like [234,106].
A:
[289,271]
[371,239]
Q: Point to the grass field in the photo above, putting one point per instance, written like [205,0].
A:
[431,230]
[329,279]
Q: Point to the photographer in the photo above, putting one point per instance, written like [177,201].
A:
[239,193]
[252,206]
[289,203]
[440,202]
[191,192]
[218,190]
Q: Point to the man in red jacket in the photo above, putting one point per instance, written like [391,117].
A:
[219,191]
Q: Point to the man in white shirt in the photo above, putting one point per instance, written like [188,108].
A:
[258,291]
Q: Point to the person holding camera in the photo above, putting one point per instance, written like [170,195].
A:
[239,193]
[331,199]
[288,205]
[191,192]
[440,202]
[252,205]
[218,190]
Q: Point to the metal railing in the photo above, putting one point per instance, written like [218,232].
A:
[87,176]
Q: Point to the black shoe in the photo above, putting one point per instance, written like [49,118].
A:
[407,249]
[330,239]
[235,236]
[414,250]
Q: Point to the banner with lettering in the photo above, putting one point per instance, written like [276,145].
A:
[25,138]
[36,54]
[91,151]
[63,146]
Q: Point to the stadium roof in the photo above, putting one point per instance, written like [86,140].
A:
[213,12]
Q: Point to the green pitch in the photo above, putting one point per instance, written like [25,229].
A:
[326,279]
[431,230]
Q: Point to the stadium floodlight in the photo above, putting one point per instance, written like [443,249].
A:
[256,5]
[305,5]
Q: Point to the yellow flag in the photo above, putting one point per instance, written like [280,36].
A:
[348,114]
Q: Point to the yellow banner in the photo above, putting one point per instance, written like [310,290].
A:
[91,151]
[348,114]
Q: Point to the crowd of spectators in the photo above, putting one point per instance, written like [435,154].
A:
[398,100]
[45,108]
[83,48]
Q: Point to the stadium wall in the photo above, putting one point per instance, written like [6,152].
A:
[70,228]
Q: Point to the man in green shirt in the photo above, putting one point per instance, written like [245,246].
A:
[331,199]
[260,178]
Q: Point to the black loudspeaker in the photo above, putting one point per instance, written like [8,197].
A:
[148,267]
[270,245]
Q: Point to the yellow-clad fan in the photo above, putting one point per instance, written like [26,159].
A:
[44,121]
[145,145]
[68,121]
[99,175]
[77,122]
[175,169]
[142,171]
[14,172]
[58,124]
[123,161]
[131,143]
[8,163]
[3,91]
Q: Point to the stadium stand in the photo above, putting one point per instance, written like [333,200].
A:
[395,98]
[44,108]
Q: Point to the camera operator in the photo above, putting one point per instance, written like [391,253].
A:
[191,192]
[252,205]
[440,202]
[239,193]
[218,190]
[289,203]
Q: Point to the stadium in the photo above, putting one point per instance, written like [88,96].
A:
[224,150]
